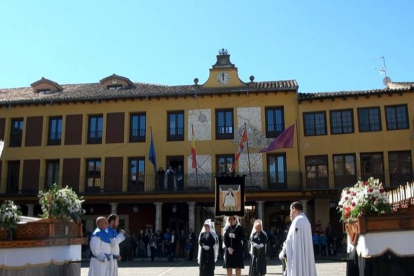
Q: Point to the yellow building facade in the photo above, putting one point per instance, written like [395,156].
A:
[96,138]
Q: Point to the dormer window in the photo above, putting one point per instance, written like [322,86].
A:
[115,82]
[46,86]
[114,86]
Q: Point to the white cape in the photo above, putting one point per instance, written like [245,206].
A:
[299,248]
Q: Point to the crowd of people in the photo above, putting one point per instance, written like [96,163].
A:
[107,246]
[324,241]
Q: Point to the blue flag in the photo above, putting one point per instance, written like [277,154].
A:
[151,155]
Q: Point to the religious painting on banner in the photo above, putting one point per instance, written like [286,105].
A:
[230,199]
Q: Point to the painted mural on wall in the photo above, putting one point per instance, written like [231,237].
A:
[252,116]
[204,177]
[201,121]
[256,165]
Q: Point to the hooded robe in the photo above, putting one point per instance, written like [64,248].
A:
[298,248]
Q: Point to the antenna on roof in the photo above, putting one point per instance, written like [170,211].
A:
[383,71]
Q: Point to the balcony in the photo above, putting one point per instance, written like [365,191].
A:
[200,183]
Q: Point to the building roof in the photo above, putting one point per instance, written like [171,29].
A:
[345,94]
[95,91]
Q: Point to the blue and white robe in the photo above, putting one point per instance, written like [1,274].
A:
[116,239]
[101,253]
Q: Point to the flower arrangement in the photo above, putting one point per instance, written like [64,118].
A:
[61,202]
[9,215]
[364,198]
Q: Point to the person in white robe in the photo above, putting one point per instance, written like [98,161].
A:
[116,239]
[101,249]
[297,250]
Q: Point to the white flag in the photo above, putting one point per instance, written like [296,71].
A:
[1,147]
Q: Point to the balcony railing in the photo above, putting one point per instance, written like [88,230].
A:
[202,182]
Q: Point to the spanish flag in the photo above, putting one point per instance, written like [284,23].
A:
[193,151]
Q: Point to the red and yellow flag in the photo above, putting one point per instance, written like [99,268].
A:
[193,150]
[240,150]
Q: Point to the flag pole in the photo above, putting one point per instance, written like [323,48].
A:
[196,169]
[248,155]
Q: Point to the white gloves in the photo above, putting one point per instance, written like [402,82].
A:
[232,235]
[230,250]
[102,258]
[261,245]
[206,247]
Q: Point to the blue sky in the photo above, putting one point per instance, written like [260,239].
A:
[324,45]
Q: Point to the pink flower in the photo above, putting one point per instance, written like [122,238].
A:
[354,194]
[353,204]
[381,190]
[348,192]
[346,198]
[366,183]
[341,206]
[373,198]
[371,190]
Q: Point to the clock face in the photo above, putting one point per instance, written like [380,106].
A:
[223,78]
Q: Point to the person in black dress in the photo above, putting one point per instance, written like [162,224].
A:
[170,179]
[233,243]
[160,179]
[207,245]
[258,240]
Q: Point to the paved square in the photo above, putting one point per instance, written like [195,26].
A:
[185,268]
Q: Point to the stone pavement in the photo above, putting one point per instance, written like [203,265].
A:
[185,268]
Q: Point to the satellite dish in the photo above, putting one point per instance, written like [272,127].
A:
[386,81]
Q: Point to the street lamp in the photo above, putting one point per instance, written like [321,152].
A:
[174,209]
[332,204]
[136,209]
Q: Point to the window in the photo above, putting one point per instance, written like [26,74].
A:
[369,119]
[344,170]
[276,171]
[175,126]
[317,172]
[224,164]
[43,91]
[13,175]
[399,163]
[372,165]
[136,174]
[95,129]
[342,121]
[275,122]
[16,132]
[114,87]
[55,131]
[397,117]
[93,171]
[224,124]
[137,128]
[315,123]
[52,173]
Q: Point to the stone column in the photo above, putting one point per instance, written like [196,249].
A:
[158,216]
[30,210]
[305,206]
[260,210]
[191,215]
[114,208]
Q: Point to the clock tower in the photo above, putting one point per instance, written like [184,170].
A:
[223,74]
